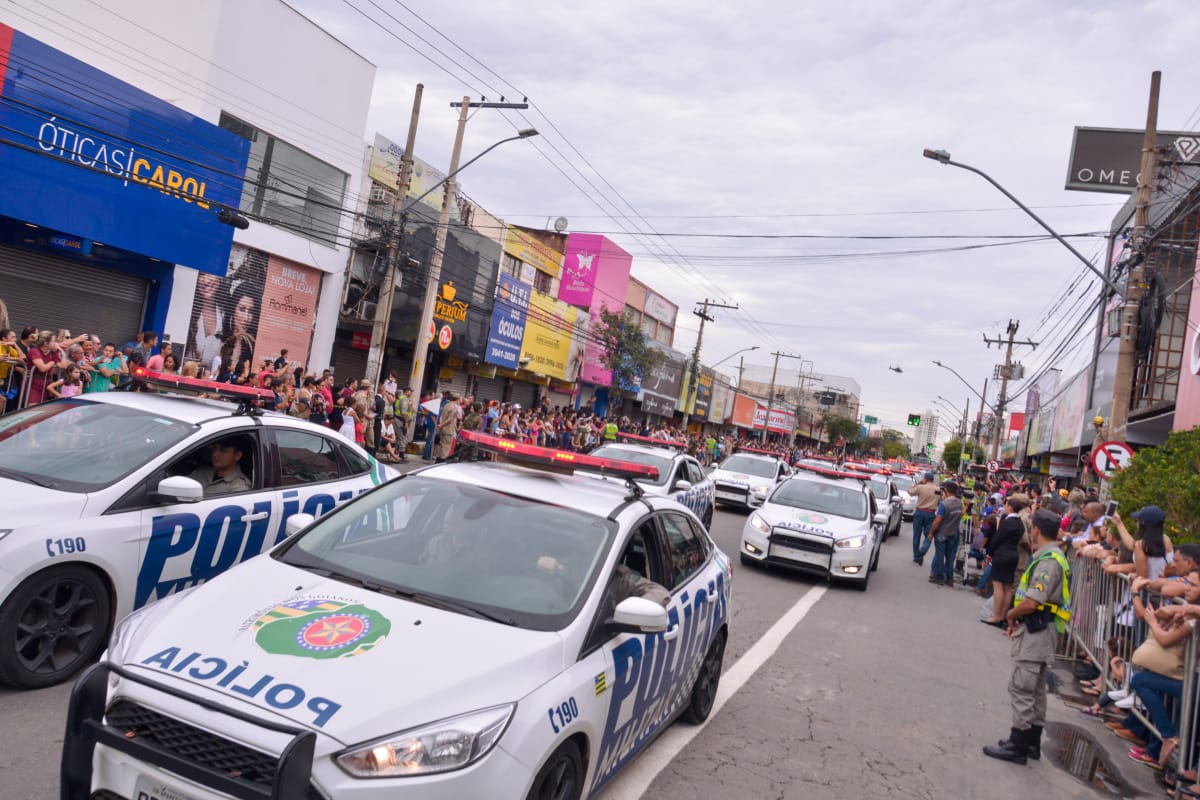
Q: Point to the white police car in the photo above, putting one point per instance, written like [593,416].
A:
[680,476]
[822,521]
[470,630]
[747,477]
[101,515]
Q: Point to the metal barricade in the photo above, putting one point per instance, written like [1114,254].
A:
[12,387]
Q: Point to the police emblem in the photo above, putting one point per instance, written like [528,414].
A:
[317,627]
[810,518]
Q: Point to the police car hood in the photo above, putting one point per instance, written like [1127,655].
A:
[344,661]
[739,477]
[813,522]
[29,504]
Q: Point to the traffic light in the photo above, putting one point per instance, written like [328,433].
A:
[914,420]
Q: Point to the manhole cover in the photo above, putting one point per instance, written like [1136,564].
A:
[1074,750]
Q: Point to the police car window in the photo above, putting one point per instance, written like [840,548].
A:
[694,473]
[638,457]
[842,499]
[305,458]
[354,464]
[464,547]
[198,462]
[82,446]
[880,489]
[751,466]
[686,551]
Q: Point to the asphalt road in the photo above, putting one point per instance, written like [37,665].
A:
[887,693]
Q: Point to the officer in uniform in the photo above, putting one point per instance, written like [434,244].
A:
[1041,608]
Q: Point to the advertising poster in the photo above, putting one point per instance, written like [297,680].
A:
[385,168]
[716,410]
[660,388]
[550,338]
[745,408]
[595,276]
[1187,401]
[508,322]
[263,305]
[1069,412]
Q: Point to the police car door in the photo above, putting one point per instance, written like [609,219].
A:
[316,473]
[188,543]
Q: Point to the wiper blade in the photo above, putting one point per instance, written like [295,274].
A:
[21,476]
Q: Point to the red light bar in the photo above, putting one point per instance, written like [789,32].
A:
[650,440]
[547,457]
[868,468]
[229,391]
[833,473]
[759,451]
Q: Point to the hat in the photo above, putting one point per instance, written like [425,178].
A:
[1063,492]
[516,406]
[1150,515]
[928,476]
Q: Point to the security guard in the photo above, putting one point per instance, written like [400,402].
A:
[1042,606]
[610,430]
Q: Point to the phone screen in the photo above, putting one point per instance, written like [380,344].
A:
[1111,508]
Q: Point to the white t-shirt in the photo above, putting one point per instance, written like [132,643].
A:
[347,428]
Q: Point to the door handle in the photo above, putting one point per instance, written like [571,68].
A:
[672,632]
[713,597]
[256,517]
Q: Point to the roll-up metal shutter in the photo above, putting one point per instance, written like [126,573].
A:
[457,384]
[349,363]
[524,393]
[560,399]
[489,389]
[54,293]
[401,367]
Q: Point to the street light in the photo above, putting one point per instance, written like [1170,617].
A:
[969,386]
[424,338]
[948,402]
[731,355]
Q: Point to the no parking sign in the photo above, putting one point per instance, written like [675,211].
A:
[1109,458]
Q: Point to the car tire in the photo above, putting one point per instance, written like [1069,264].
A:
[875,561]
[704,690]
[561,777]
[53,624]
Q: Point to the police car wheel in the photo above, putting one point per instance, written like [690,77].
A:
[53,624]
[561,777]
[704,690]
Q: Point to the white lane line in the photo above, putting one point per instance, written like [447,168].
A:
[636,778]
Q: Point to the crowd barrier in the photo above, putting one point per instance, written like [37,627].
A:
[1105,627]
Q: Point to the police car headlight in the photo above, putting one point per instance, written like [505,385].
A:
[761,491]
[442,746]
[759,524]
[124,634]
[850,543]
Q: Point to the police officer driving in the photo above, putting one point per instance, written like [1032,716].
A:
[1041,609]
[225,475]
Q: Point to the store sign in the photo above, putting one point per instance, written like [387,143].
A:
[663,381]
[704,393]
[529,250]
[508,322]
[86,154]
[653,404]
[447,307]
[1187,400]
[660,309]
[1109,159]
[781,421]
[550,342]
[385,169]
[745,410]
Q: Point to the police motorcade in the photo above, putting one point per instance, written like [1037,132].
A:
[113,500]
[822,521]
[908,502]
[680,476]
[887,495]
[747,477]
[469,630]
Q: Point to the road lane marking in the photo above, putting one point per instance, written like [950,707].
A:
[636,778]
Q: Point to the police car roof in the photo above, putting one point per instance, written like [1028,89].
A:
[661,452]
[759,456]
[184,408]
[808,475]
[584,494]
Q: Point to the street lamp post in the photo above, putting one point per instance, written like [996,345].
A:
[969,386]
[424,337]
[731,355]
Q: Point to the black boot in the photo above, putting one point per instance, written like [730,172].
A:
[1033,743]
[1011,749]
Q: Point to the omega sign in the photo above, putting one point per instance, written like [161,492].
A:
[1109,159]
[446,308]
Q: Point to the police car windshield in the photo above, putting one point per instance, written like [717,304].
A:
[462,547]
[904,482]
[880,487]
[839,499]
[82,446]
[619,453]
[751,466]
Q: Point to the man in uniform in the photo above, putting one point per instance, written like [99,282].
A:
[225,476]
[1041,608]
[403,408]
[927,502]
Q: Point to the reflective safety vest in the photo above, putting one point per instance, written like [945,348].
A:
[610,431]
[1062,614]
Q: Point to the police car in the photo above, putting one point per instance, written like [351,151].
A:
[680,476]
[888,497]
[747,477]
[104,508]
[470,630]
[821,521]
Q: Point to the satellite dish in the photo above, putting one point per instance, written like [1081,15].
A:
[560,224]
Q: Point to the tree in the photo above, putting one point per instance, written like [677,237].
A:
[624,350]
[954,450]
[1167,477]
[894,449]
[842,427]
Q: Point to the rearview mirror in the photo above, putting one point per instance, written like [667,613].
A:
[297,523]
[180,489]
[639,615]
[881,518]
[683,484]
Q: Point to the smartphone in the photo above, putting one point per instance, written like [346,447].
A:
[1111,508]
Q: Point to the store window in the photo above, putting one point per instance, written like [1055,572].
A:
[287,187]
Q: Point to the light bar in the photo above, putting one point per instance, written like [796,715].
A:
[650,440]
[759,451]
[547,457]
[833,473]
[868,468]
[179,383]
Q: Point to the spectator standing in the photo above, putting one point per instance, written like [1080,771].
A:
[449,419]
[69,385]
[927,503]
[1004,548]
[11,370]
[282,360]
[155,362]
[944,533]
[403,407]
[45,357]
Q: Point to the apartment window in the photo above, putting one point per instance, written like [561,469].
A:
[285,186]
[541,281]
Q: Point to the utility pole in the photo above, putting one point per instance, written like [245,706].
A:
[999,421]
[1127,347]
[771,392]
[979,421]
[383,308]
[694,368]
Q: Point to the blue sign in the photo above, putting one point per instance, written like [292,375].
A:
[97,159]
[508,322]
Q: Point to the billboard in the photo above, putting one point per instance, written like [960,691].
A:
[1109,159]
[1069,410]
[508,322]
[745,408]
[89,155]
[595,277]
[554,336]
[1187,400]
[530,250]
[385,169]
[660,388]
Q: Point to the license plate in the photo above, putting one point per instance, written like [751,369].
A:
[148,788]
[730,496]
[796,554]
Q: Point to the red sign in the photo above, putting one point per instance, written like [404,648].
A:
[445,336]
[1109,458]
[360,340]
[6,38]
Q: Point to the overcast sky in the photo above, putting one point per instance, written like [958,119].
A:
[798,120]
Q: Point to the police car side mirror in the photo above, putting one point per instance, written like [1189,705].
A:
[683,483]
[179,489]
[297,523]
[881,518]
[638,615]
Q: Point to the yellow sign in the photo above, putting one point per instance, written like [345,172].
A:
[446,308]
[529,250]
[549,334]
